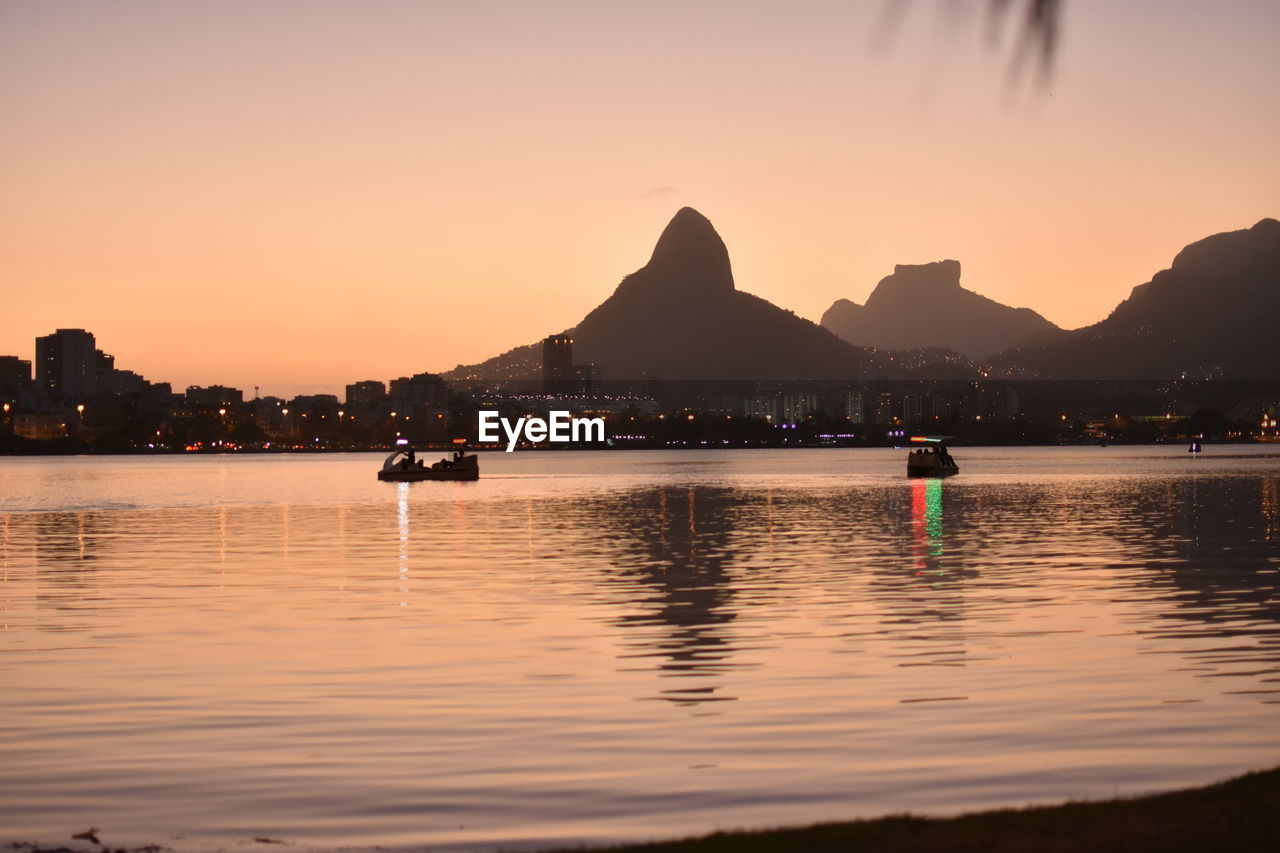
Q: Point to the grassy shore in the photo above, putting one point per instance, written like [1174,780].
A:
[1241,814]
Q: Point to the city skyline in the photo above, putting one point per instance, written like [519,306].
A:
[304,196]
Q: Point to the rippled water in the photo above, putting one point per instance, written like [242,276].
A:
[600,646]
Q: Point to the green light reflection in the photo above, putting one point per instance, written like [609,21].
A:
[933,516]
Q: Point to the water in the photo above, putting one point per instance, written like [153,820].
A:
[623,645]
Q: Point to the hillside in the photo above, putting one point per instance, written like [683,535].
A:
[923,305]
[1212,315]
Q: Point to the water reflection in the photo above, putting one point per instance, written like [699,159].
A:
[672,565]
[402,526]
[1270,504]
[926,522]
[68,537]
[1225,576]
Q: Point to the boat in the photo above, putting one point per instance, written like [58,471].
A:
[403,467]
[931,460]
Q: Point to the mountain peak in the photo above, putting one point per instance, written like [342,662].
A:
[691,252]
[918,280]
[1231,249]
[924,305]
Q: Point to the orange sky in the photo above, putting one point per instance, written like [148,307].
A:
[297,195]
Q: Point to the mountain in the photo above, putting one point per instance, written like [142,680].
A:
[680,317]
[923,305]
[1212,315]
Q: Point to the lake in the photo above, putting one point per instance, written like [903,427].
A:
[604,646]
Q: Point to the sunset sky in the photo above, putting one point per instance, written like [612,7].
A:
[298,195]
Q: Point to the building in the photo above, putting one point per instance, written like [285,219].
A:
[40,426]
[67,365]
[421,389]
[941,404]
[121,382]
[366,393]
[557,364]
[855,407]
[913,406]
[15,373]
[796,407]
[214,395]
[586,380]
[765,407]
[883,411]
[316,403]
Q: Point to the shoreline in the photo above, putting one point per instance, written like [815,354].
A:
[1241,814]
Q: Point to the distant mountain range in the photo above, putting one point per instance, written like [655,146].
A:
[1212,315]
[923,305]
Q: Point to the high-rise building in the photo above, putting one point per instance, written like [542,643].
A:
[797,406]
[366,393]
[855,407]
[766,406]
[421,389]
[67,364]
[121,382]
[557,364]
[586,380]
[15,373]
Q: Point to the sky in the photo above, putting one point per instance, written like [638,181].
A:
[298,195]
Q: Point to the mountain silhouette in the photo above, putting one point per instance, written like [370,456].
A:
[1212,315]
[923,305]
[680,317]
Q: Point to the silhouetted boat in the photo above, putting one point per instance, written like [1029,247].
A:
[933,460]
[1195,446]
[402,467]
